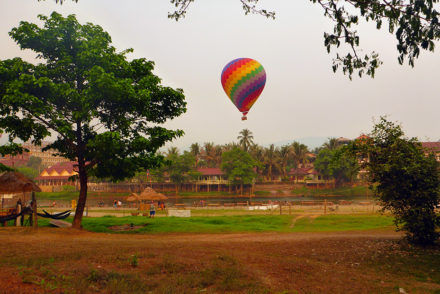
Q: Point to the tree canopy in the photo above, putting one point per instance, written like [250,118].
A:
[238,166]
[338,164]
[105,110]
[405,178]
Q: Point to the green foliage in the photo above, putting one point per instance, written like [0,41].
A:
[406,180]
[180,168]
[338,164]
[105,109]
[29,172]
[239,166]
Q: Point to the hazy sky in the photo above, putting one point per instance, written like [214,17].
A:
[302,97]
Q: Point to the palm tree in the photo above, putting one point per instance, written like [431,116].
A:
[195,151]
[209,154]
[218,151]
[257,152]
[284,153]
[172,151]
[299,153]
[229,146]
[332,144]
[246,139]
[270,160]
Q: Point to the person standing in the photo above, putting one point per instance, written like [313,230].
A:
[152,209]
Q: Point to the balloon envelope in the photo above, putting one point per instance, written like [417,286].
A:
[243,80]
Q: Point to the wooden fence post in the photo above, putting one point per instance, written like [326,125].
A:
[34,211]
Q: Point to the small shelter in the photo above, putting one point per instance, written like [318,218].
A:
[146,196]
[14,183]
[150,195]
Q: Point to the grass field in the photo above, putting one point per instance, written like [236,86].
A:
[236,223]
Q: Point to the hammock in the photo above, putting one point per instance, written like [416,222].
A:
[61,215]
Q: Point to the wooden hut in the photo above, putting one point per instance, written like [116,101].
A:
[145,197]
[14,183]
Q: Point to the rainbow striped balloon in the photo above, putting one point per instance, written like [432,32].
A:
[243,80]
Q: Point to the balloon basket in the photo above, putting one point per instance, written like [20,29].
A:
[243,117]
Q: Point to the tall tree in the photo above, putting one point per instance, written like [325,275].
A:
[332,144]
[239,166]
[337,164]
[299,153]
[181,168]
[172,152]
[405,179]
[211,154]
[246,139]
[284,156]
[270,160]
[258,152]
[196,152]
[414,22]
[104,109]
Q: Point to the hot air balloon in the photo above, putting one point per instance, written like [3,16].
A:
[243,80]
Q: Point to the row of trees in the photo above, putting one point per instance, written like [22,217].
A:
[238,165]
[268,163]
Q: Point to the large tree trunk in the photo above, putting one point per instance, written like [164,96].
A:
[82,196]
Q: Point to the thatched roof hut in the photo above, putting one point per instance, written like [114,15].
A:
[15,182]
[150,194]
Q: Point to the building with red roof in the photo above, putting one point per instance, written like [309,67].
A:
[300,174]
[211,175]
[58,174]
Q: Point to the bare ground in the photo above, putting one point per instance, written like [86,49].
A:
[65,260]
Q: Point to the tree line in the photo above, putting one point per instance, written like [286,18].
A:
[266,164]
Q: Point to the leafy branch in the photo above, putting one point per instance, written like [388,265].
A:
[249,6]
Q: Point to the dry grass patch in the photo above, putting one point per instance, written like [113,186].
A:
[67,261]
